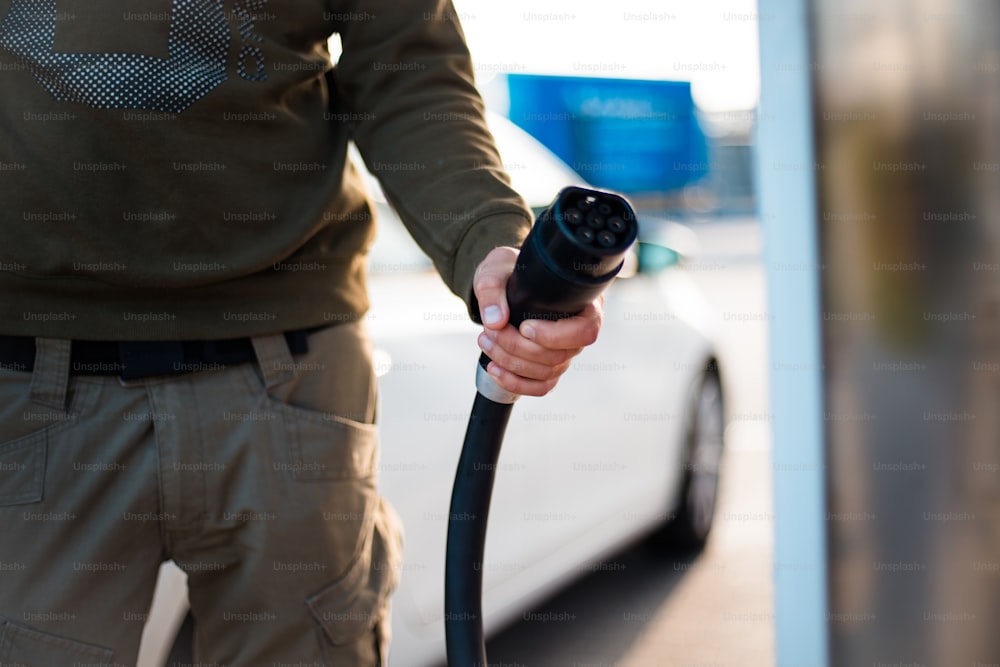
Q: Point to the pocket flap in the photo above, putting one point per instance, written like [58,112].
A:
[26,646]
[347,608]
[22,469]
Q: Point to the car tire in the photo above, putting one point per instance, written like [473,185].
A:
[689,524]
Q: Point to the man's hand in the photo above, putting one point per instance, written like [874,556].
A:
[528,360]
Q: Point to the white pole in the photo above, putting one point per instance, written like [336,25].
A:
[787,195]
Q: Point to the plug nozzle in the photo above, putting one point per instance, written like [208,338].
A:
[575,248]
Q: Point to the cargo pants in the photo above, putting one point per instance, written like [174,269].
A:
[257,479]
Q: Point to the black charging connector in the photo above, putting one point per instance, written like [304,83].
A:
[572,253]
[575,248]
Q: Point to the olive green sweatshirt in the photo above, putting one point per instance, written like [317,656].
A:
[177,170]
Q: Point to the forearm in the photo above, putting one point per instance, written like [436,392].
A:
[408,73]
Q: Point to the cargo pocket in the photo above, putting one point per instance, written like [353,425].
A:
[353,611]
[22,469]
[27,647]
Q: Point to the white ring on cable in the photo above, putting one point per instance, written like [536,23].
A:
[489,388]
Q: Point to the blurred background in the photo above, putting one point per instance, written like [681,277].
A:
[653,99]
[855,522]
[657,100]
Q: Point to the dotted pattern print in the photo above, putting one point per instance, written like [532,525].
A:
[250,51]
[196,62]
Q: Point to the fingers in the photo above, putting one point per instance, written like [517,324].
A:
[568,334]
[490,286]
[520,385]
[511,351]
[528,360]
[532,364]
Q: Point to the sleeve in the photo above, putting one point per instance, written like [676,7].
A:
[406,71]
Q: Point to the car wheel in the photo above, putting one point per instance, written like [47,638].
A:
[689,525]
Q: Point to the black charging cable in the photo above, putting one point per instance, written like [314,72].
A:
[575,248]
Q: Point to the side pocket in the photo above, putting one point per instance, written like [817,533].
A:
[22,469]
[353,611]
[329,447]
[327,438]
[27,647]
[26,430]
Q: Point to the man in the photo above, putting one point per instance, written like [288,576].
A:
[184,370]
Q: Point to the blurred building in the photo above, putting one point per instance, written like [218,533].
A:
[646,139]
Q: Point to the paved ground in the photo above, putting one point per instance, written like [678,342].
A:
[716,610]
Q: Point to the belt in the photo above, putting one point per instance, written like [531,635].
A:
[131,360]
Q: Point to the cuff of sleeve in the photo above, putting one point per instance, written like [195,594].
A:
[493,231]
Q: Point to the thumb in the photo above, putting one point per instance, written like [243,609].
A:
[489,284]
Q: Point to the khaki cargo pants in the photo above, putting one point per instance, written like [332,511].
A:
[258,479]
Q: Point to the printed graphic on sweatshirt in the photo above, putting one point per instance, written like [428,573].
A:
[197,49]
[251,60]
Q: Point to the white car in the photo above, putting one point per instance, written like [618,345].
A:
[629,442]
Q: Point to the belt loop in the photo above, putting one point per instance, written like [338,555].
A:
[50,377]
[274,359]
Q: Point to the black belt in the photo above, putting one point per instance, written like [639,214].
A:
[132,360]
